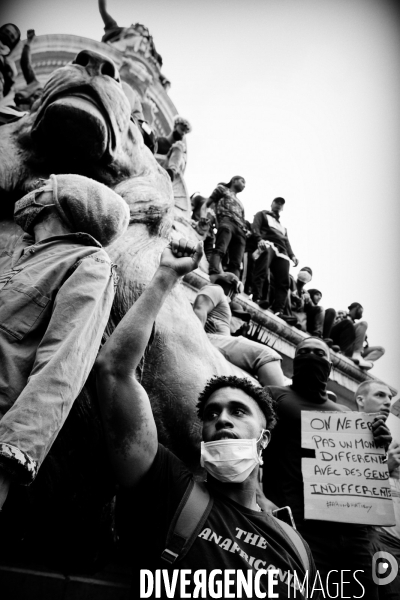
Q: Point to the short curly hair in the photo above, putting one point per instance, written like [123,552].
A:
[258,394]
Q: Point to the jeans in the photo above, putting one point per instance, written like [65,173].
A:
[54,305]
[230,237]
[268,262]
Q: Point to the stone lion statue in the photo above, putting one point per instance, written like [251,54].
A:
[82,124]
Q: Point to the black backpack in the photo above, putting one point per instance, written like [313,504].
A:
[190,517]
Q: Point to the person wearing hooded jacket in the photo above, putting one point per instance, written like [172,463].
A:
[339,546]
[56,293]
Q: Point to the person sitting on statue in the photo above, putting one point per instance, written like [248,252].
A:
[310,316]
[25,98]
[272,256]
[174,148]
[203,221]
[9,38]
[352,340]
[232,228]
[211,306]
[113,32]
[55,301]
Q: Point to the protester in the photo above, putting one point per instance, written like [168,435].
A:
[173,147]
[232,229]
[55,300]
[335,546]
[310,316]
[236,422]
[274,253]
[9,38]
[211,306]
[203,221]
[25,98]
[351,337]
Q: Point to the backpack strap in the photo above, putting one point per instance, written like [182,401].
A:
[187,521]
[297,542]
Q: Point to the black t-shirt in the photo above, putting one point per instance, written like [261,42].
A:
[283,480]
[233,537]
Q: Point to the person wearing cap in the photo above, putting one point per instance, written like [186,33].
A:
[351,337]
[212,307]
[310,316]
[55,300]
[174,148]
[273,255]
[232,228]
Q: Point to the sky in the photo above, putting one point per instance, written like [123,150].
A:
[300,97]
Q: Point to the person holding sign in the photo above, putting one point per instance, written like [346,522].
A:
[335,546]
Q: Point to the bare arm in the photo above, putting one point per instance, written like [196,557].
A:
[125,407]
[202,306]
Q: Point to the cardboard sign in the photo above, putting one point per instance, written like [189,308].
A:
[347,481]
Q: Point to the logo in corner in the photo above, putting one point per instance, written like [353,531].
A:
[384,568]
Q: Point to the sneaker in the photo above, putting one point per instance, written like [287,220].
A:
[361,362]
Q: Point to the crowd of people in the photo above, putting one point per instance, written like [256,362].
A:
[259,254]
[248,427]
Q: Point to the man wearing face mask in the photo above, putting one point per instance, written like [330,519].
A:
[56,293]
[334,545]
[236,421]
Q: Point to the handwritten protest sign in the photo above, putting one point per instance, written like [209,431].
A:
[347,481]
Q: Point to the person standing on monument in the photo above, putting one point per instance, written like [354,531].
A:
[232,228]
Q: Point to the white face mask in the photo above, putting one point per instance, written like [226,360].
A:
[231,460]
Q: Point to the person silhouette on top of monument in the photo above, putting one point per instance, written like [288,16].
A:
[113,32]
[232,228]
[273,256]
[55,300]
[33,90]
[173,147]
[9,38]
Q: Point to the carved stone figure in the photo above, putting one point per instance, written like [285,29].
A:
[82,125]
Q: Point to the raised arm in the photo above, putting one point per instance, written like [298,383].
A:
[26,59]
[125,407]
